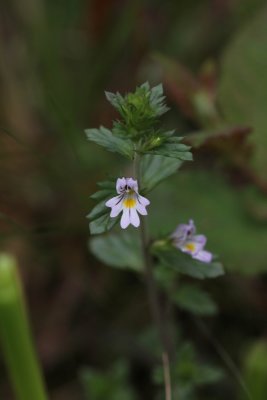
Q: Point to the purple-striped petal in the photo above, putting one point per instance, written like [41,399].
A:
[114,201]
[116,210]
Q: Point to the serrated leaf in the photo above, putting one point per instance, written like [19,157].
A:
[185,264]
[154,169]
[99,210]
[114,98]
[99,216]
[157,99]
[102,224]
[104,137]
[118,250]
[194,299]
[172,148]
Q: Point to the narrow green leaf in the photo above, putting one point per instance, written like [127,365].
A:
[15,335]
[118,250]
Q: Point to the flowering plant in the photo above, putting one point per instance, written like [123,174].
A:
[155,155]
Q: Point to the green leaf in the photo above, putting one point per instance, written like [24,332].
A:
[187,373]
[118,250]
[154,169]
[102,194]
[185,264]
[194,299]
[112,384]
[157,100]
[107,184]
[99,210]
[102,224]
[104,137]
[115,99]
[100,220]
[242,93]
[171,147]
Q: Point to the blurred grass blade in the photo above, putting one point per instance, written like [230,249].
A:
[255,371]
[15,335]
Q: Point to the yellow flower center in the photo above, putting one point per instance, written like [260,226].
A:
[129,202]
[190,247]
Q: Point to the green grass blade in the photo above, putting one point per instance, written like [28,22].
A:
[15,335]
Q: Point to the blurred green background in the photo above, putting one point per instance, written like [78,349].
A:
[56,60]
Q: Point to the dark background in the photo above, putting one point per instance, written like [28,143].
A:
[56,60]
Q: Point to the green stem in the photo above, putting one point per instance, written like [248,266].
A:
[156,310]
[153,296]
[15,335]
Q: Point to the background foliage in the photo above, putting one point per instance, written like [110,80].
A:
[56,62]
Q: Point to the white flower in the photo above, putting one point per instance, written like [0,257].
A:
[129,201]
[185,239]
